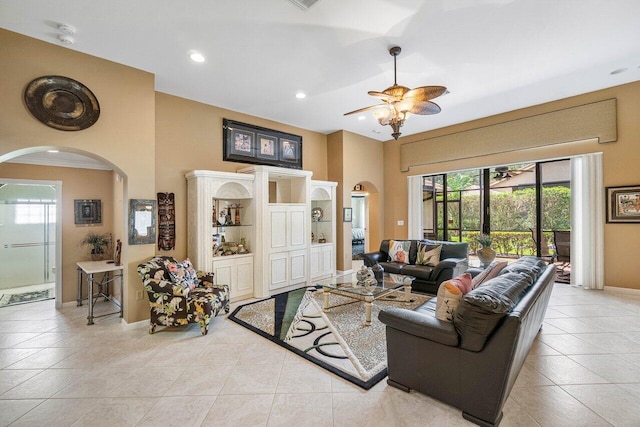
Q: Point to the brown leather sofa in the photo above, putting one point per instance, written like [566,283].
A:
[453,262]
[473,362]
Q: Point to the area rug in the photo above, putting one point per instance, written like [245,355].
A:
[25,297]
[338,340]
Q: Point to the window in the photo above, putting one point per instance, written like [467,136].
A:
[31,213]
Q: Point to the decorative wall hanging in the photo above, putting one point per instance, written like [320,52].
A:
[346,214]
[87,211]
[623,204]
[257,145]
[142,221]
[62,103]
[166,221]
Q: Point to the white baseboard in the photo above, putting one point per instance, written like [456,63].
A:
[618,290]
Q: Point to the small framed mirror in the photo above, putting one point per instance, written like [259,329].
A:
[142,222]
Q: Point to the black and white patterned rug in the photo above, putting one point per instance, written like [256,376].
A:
[337,340]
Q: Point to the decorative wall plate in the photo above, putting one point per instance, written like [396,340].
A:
[62,103]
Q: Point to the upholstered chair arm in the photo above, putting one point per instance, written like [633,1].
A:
[205,278]
[155,286]
[420,325]
[373,258]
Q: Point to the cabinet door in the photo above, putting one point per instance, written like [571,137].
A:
[223,273]
[327,260]
[315,262]
[298,262]
[297,230]
[279,228]
[244,281]
[278,265]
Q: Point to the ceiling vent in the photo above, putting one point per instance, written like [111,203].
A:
[304,4]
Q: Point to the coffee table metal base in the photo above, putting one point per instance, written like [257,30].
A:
[367,299]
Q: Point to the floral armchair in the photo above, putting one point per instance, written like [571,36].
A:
[178,294]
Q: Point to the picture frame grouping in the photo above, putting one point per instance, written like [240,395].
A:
[246,143]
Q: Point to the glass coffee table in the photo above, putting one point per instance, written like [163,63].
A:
[347,286]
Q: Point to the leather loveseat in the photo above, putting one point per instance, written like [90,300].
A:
[453,262]
[473,362]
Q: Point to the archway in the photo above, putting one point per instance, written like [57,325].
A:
[68,163]
[367,222]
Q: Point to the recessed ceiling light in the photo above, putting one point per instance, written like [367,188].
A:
[65,39]
[52,151]
[618,71]
[66,29]
[196,56]
[362,117]
[301,95]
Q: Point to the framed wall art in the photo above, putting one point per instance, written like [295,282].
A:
[87,211]
[246,143]
[623,204]
[347,215]
[142,221]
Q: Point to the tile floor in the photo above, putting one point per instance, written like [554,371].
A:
[584,369]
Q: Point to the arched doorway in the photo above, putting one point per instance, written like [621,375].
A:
[74,171]
[366,223]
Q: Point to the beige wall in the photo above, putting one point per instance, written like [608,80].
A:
[76,184]
[356,159]
[189,137]
[621,159]
[123,137]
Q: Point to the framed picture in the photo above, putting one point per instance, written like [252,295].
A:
[346,214]
[246,143]
[267,147]
[87,211]
[142,221]
[623,204]
[289,150]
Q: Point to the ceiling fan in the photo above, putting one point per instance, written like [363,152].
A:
[399,101]
[503,172]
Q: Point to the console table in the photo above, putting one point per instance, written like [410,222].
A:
[110,272]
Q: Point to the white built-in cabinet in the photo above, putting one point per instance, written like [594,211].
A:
[275,206]
[323,229]
[208,194]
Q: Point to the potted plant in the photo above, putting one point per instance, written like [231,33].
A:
[486,254]
[98,243]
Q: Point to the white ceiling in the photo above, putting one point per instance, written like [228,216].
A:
[493,55]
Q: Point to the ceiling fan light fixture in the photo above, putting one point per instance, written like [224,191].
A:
[398,101]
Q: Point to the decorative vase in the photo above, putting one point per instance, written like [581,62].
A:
[486,255]
[96,256]
[378,273]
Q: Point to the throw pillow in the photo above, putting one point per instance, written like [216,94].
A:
[399,251]
[488,273]
[184,274]
[428,254]
[450,294]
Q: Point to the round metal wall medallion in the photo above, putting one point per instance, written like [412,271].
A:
[62,103]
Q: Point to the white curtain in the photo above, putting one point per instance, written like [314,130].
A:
[587,222]
[414,210]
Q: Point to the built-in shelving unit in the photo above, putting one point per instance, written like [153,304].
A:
[323,229]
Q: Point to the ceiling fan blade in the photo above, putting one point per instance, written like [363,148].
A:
[371,107]
[387,97]
[425,108]
[425,93]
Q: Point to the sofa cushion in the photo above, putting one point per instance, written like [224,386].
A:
[428,254]
[450,293]
[489,273]
[529,266]
[481,310]
[392,267]
[399,251]
[422,272]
